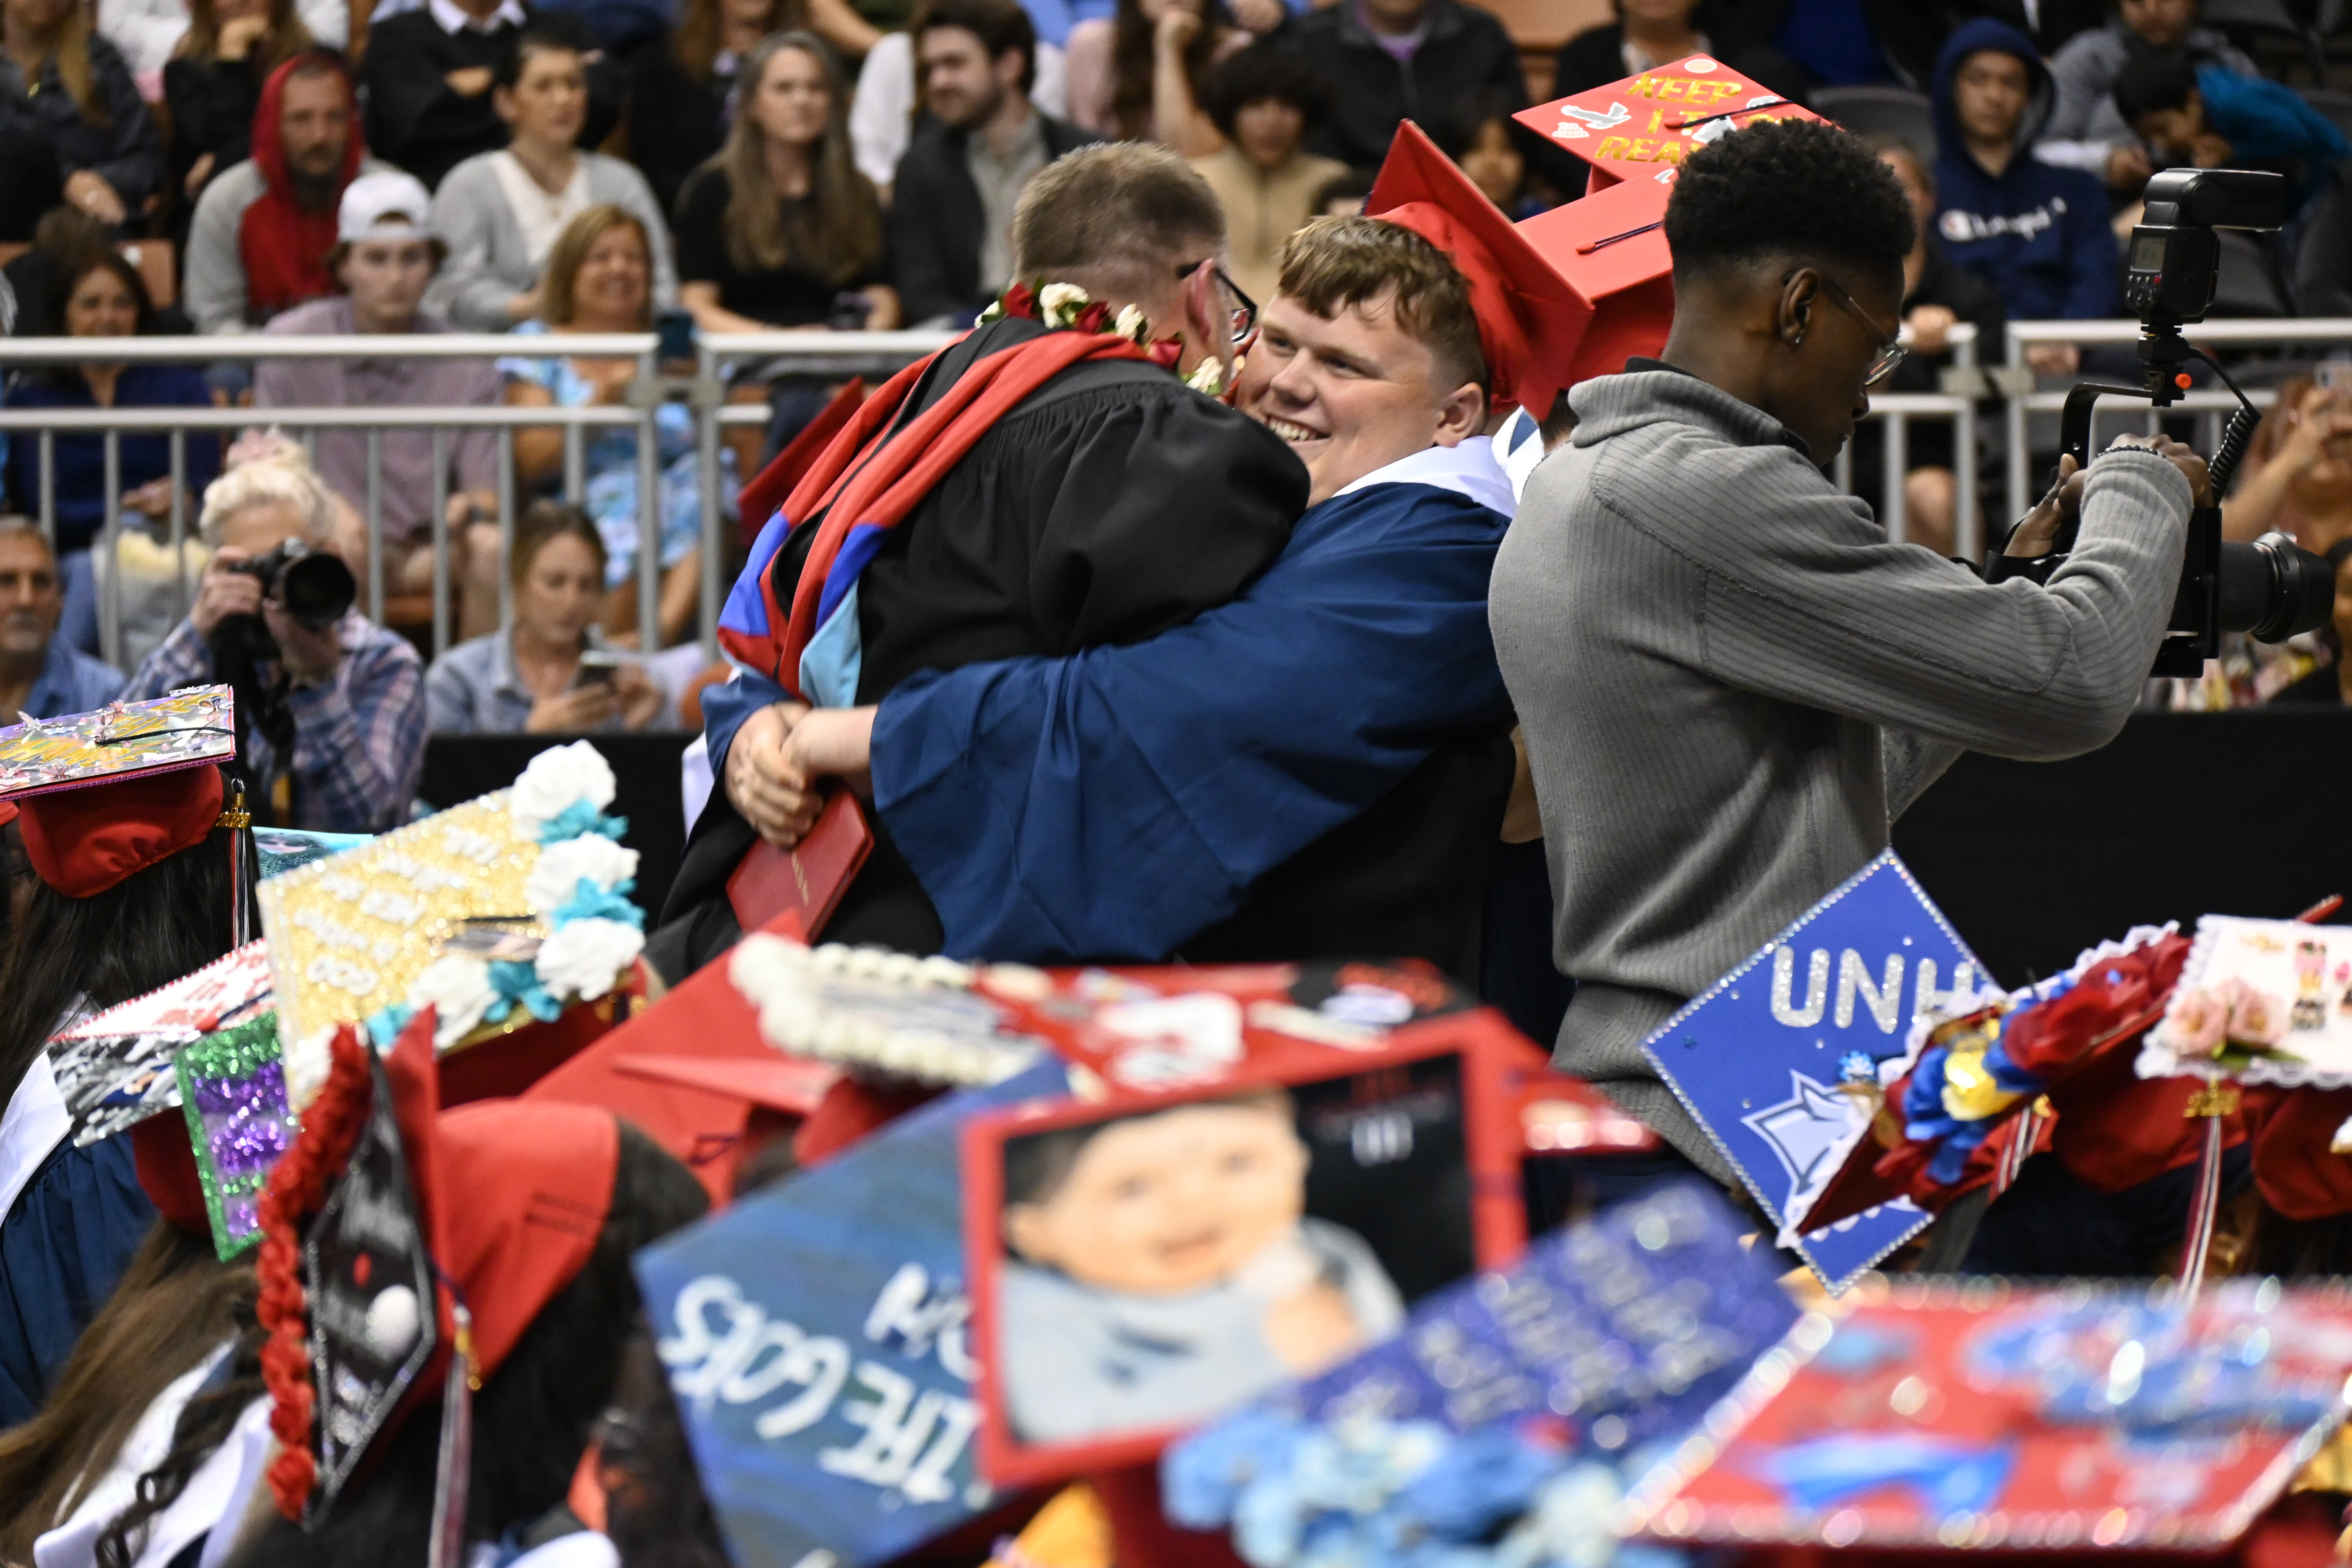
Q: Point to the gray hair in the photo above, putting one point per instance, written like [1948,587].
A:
[282,477]
[13,524]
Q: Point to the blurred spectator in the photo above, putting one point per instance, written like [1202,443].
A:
[100,295]
[2323,247]
[41,674]
[678,93]
[1265,100]
[2209,117]
[2085,130]
[1143,73]
[500,212]
[1499,154]
[2038,234]
[72,126]
[2331,683]
[1937,296]
[346,702]
[599,280]
[62,237]
[149,32]
[428,76]
[1841,42]
[780,229]
[1387,60]
[534,679]
[882,110]
[383,258]
[1651,33]
[2297,475]
[952,210]
[1344,195]
[212,84]
[259,239]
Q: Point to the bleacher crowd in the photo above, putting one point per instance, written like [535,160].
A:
[232,167]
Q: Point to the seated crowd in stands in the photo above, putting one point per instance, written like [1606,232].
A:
[373,168]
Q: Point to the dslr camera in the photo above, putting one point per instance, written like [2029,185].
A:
[318,591]
[2269,589]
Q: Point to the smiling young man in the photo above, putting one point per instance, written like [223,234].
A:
[1317,769]
[1730,683]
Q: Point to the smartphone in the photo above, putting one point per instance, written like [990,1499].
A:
[2336,375]
[676,328]
[596,667]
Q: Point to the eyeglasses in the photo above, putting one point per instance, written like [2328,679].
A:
[1891,352]
[1243,314]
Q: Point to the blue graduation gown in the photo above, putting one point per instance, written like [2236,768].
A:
[63,1248]
[1119,800]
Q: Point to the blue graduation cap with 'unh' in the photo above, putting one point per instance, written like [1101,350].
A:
[1778,1059]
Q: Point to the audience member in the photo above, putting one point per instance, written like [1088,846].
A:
[2209,117]
[537,677]
[1500,155]
[2038,234]
[1344,195]
[2322,254]
[149,32]
[679,93]
[1265,100]
[599,280]
[212,83]
[347,703]
[385,259]
[429,75]
[72,127]
[101,296]
[1142,73]
[884,108]
[500,212]
[41,673]
[952,210]
[62,237]
[780,229]
[259,239]
[2331,683]
[1937,296]
[2297,475]
[1651,33]
[2085,129]
[1387,60]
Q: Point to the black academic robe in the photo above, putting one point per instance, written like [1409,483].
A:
[1110,505]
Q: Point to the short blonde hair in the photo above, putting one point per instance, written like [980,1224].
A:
[561,276]
[283,477]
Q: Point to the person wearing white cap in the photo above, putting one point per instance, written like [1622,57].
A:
[385,257]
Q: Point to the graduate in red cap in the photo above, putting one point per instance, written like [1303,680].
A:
[132,887]
[1319,767]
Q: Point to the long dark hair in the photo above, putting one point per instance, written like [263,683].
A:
[155,925]
[176,1303]
[287,38]
[837,232]
[1131,62]
[694,43]
[533,1416]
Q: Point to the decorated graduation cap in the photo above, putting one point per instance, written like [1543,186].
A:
[408,1247]
[1611,248]
[1649,123]
[1530,317]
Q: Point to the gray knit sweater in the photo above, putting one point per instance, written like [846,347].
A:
[1731,683]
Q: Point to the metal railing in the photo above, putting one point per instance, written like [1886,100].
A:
[1893,412]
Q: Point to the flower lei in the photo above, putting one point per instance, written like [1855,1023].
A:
[579,887]
[1066,305]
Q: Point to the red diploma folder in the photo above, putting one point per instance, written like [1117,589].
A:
[795,891]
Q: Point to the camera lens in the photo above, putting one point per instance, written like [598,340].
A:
[2272,590]
[318,588]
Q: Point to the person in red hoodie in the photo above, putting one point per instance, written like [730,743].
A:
[258,242]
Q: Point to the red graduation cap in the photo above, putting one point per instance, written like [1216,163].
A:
[1530,317]
[82,841]
[1612,246]
[1653,120]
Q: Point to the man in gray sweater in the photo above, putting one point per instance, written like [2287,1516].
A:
[1730,682]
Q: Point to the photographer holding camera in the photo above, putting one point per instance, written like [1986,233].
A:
[1730,681]
[329,706]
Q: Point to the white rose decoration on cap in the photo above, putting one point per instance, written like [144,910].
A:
[457,986]
[556,780]
[564,865]
[585,957]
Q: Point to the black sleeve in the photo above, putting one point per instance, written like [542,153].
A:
[1592,58]
[702,241]
[671,126]
[212,105]
[133,160]
[1167,506]
[411,110]
[916,239]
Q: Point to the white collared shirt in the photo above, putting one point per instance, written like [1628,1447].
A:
[1467,469]
[450,17]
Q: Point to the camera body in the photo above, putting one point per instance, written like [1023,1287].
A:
[2270,589]
[317,589]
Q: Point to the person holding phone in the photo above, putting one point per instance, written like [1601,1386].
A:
[551,674]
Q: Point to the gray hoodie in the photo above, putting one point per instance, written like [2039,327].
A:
[1731,684]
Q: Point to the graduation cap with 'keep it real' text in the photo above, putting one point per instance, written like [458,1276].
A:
[1647,124]
[1531,318]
